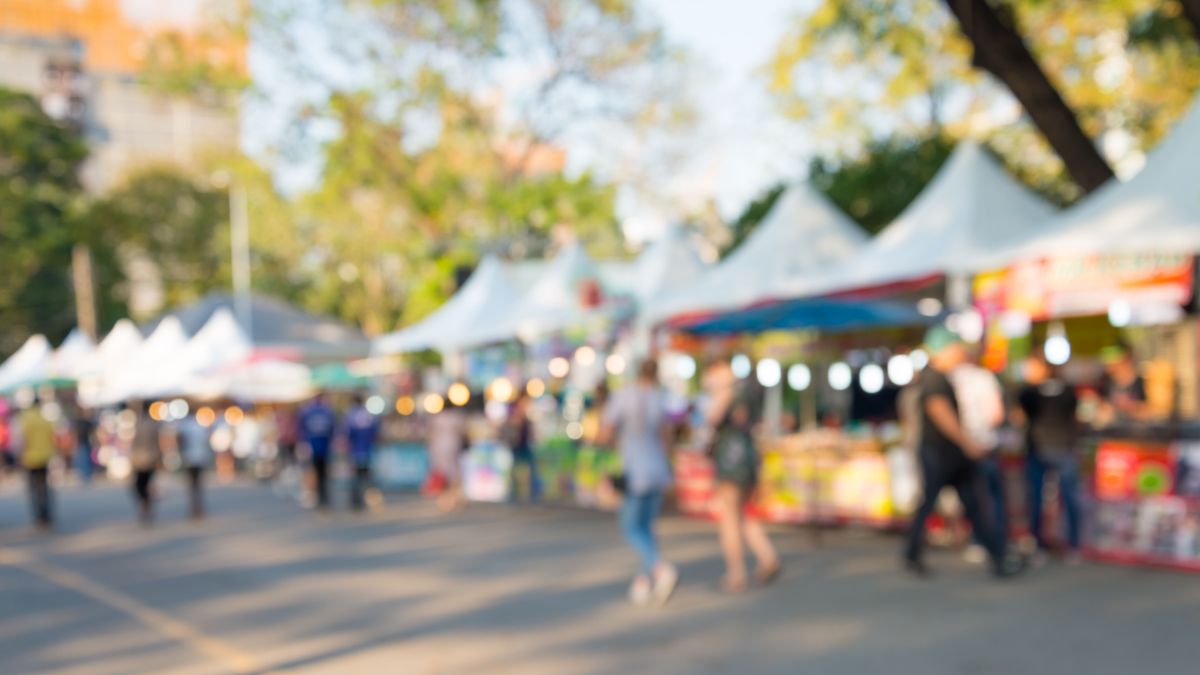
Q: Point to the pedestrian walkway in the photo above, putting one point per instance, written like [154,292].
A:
[266,586]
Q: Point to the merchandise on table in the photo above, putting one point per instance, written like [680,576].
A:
[400,466]
[556,468]
[487,471]
[815,476]
[593,467]
[1147,498]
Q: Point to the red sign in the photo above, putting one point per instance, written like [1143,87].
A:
[1087,285]
[1127,470]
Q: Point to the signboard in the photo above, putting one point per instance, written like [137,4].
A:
[1132,470]
[1086,286]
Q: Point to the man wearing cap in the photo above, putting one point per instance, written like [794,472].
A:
[948,454]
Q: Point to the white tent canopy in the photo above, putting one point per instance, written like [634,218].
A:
[482,303]
[668,265]
[220,342]
[972,206]
[267,381]
[72,355]
[1156,211]
[803,236]
[553,303]
[139,371]
[27,365]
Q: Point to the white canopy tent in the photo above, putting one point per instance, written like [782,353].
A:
[482,303]
[803,236]
[220,342]
[72,356]
[27,365]
[137,375]
[668,265]
[267,381]
[553,303]
[971,207]
[1156,211]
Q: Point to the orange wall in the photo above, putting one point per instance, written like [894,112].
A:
[111,41]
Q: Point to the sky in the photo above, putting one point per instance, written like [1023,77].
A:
[746,147]
[740,148]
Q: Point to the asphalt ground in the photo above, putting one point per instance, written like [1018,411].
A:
[263,585]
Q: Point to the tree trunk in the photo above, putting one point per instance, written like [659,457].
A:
[1000,50]
[1191,11]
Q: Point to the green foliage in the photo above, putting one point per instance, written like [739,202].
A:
[1122,65]
[877,186]
[39,209]
[172,220]
[751,216]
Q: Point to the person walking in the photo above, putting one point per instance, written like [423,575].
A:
[731,420]
[362,430]
[83,423]
[1050,407]
[195,447]
[637,419]
[518,431]
[981,409]
[317,425]
[949,455]
[448,440]
[145,455]
[38,448]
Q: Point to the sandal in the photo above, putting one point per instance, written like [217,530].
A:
[731,587]
[770,575]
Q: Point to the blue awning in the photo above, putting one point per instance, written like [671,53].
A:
[812,313]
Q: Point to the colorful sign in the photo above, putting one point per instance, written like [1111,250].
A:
[402,466]
[1085,286]
[1131,470]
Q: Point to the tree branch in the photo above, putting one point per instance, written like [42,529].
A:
[1191,11]
[1000,50]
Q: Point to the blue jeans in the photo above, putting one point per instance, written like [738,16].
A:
[524,484]
[993,481]
[1066,467]
[638,513]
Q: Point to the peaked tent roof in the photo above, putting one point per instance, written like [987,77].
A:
[122,341]
[1158,210]
[220,342]
[669,264]
[28,364]
[72,355]
[552,303]
[278,324]
[145,365]
[802,236]
[482,302]
[972,206]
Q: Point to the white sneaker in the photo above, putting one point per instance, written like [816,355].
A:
[665,580]
[641,592]
[975,554]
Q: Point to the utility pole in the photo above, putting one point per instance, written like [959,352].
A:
[240,244]
[84,282]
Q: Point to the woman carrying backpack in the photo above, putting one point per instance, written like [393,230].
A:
[731,420]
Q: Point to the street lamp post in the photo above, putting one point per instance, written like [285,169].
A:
[239,245]
[239,240]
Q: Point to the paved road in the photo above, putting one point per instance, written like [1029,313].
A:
[264,586]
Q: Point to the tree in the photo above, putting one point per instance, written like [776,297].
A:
[1000,50]
[750,217]
[426,165]
[875,188]
[39,219]
[1127,68]
[173,221]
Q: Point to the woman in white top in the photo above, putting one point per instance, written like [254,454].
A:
[636,417]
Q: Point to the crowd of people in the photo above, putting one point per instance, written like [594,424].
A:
[954,413]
